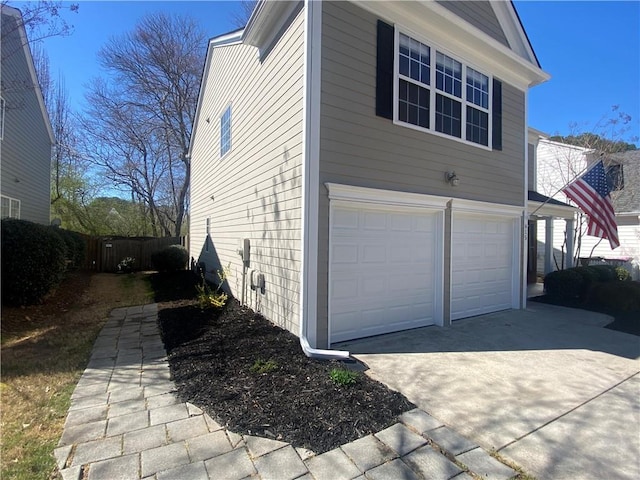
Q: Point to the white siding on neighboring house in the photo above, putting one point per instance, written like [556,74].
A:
[558,164]
[629,236]
[254,190]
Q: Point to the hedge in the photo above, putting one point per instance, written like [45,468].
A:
[75,247]
[33,261]
[170,259]
[565,285]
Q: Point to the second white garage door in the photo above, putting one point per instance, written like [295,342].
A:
[384,273]
[483,273]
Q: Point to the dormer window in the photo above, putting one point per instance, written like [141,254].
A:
[615,177]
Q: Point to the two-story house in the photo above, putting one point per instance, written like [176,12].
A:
[26,136]
[370,161]
[565,243]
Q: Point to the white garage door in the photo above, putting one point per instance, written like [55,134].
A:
[482,265]
[382,270]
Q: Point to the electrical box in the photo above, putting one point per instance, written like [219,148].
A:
[260,282]
[244,247]
[253,277]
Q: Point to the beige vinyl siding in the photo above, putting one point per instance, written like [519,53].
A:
[480,14]
[25,149]
[256,187]
[359,148]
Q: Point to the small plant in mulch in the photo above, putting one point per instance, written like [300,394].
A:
[260,366]
[210,298]
[252,377]
[343,377]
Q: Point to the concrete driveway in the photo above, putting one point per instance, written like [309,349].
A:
[547,387]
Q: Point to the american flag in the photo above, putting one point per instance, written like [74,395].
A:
[591,193]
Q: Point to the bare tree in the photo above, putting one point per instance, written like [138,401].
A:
[40,20]
[569,159]
[243,14]
[141,112]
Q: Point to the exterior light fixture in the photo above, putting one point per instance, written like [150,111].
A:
[452,178]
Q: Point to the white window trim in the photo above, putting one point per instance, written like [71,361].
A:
[11,200]
[224,110]
[435,47]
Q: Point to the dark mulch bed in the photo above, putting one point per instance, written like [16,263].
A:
[627,322]
[211,354]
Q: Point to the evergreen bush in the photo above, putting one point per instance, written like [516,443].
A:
[33,261]
[170,259]
[565,285]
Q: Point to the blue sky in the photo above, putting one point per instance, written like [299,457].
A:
[591,49]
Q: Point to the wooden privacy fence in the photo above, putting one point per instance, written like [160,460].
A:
[105,253]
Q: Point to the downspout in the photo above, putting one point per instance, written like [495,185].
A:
[311,184]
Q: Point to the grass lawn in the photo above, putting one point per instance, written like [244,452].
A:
[45,349]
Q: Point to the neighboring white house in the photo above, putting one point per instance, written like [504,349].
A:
[26,136]
[557,164]
[369,159]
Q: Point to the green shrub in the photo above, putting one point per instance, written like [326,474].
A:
[565,285]
[588,274]
[605,273]
[617,296]
[33,261]
[75,247]
[170,259]
[622,274]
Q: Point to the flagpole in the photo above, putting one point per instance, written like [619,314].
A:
[559,190]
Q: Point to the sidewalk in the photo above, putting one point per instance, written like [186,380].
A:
[126,422]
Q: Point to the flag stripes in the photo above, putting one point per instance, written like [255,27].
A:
[591,193]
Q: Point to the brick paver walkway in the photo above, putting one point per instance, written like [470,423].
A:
[126,422]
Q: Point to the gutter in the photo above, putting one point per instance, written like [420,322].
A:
[311,184]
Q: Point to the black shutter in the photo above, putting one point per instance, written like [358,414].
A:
[497,115]
[384,71]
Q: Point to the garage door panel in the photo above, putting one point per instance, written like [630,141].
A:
[345,219]
[482,264]
[391,260]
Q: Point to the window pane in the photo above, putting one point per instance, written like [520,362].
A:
[225,131]
[15,209]
[477,126]
[404,65]
[448,116]
[414,59]
[615,177]
[413,104]
[5,207]
[448,74]
[477,88]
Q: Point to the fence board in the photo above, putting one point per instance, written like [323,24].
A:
[103,254]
